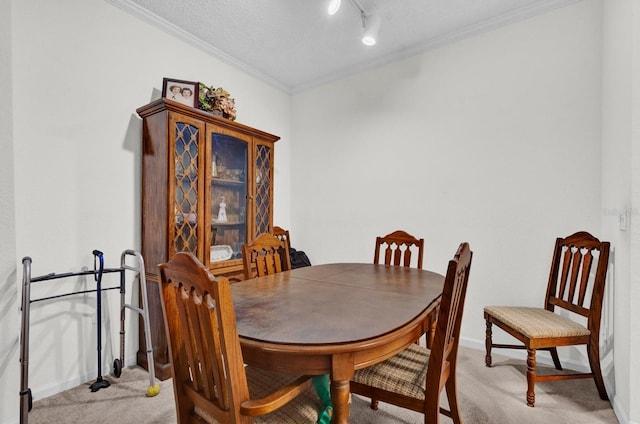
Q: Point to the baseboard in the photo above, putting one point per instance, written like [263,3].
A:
[74,381]
[71,382]
[620,412]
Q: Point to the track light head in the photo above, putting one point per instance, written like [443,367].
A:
[334,6]
[371,26]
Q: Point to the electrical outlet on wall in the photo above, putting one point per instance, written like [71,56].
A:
[622,220]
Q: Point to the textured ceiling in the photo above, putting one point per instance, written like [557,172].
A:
[295,44]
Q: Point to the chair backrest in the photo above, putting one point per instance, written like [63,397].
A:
[444,350]
[282,234]
[572,276]
[397,249]
[265,255]
[207,366]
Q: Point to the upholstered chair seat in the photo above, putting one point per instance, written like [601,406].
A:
[404,373]
[537,322]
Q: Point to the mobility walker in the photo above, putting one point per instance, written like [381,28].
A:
[26,399]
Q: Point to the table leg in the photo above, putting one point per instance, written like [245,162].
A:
[340,400]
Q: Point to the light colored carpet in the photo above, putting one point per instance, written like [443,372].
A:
[487,395]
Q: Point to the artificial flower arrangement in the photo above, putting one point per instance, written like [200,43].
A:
[217,101]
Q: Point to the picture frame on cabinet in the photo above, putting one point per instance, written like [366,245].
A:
[185,92]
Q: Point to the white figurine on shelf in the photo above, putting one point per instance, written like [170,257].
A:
[222,212]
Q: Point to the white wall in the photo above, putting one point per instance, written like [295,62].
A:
[634,310]
[497,140]
[621,190]
[493,140]
[80,70]
[9,334]
[616,182]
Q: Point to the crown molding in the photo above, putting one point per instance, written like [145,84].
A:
[155,20]
[478,28]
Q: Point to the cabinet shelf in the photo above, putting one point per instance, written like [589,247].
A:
[227,224]
[222,181]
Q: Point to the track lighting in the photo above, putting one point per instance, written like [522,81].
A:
[370,23]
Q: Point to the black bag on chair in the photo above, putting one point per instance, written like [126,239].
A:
[299,259]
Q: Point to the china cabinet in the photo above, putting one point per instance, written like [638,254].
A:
[207,188]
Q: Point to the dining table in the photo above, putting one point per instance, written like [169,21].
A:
[333,319]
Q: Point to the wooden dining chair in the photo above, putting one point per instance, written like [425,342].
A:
[398,248]
[415,377]
[298,258]
[282,234]
[211,383]
[265,255]
[572,274]
[269,254]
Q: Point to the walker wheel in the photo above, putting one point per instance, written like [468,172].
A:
[117,368]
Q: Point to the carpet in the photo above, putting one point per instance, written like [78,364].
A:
[487,395]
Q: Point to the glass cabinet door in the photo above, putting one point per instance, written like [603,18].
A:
[264,188]
[228,197]
[186,204]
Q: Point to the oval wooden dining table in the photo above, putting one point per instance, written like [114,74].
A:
[333,319]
